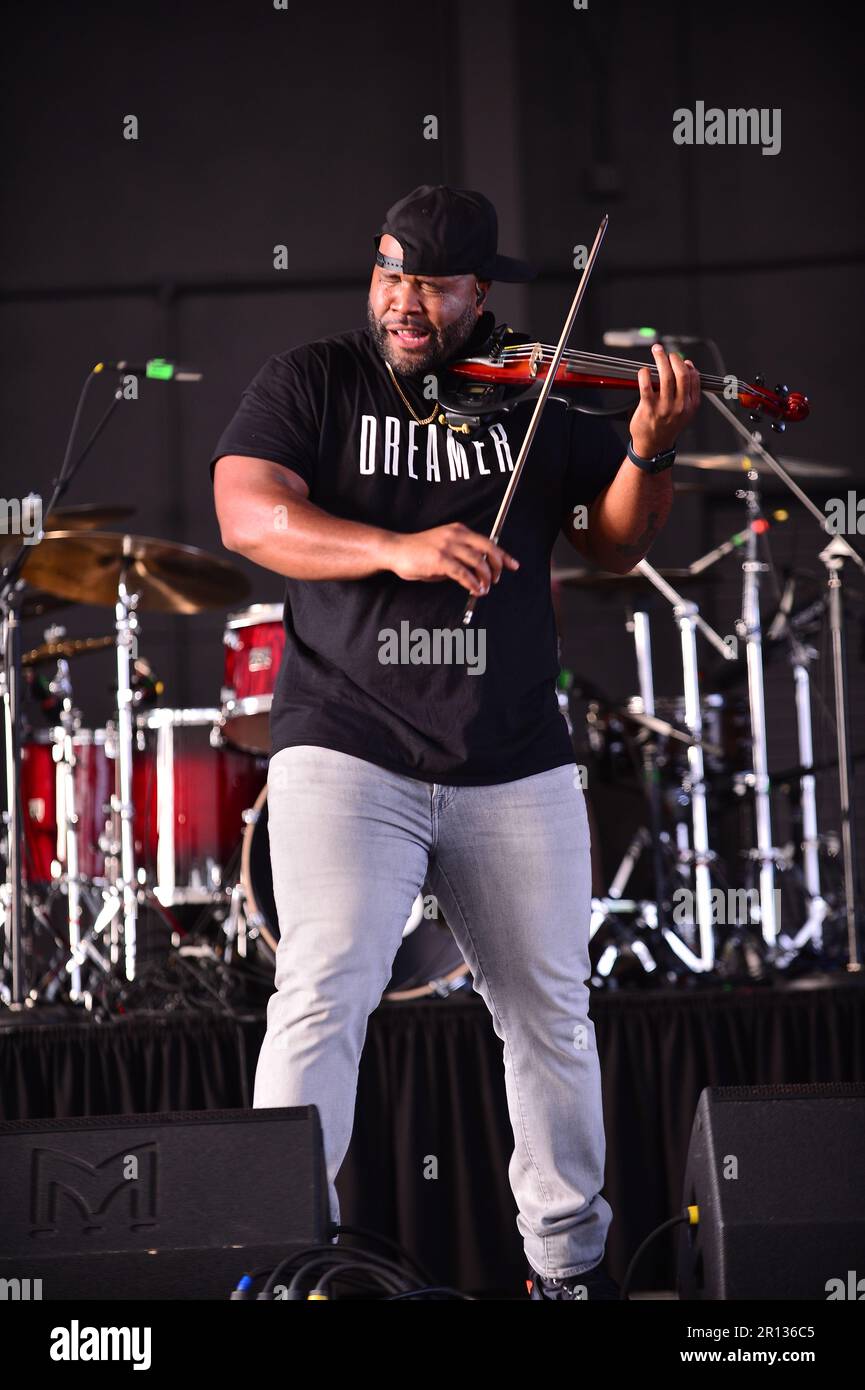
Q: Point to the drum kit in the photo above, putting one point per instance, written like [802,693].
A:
[160,814]
[697,756]
[163,811]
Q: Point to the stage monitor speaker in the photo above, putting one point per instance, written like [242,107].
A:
[171,1206]
[778,1174]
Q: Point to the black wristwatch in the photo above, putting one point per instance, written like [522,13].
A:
[658,464]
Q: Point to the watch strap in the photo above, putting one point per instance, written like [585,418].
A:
[658,464]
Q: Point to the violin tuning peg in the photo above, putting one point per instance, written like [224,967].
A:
[779,426]
[759,380]
[755,416]
[782,390]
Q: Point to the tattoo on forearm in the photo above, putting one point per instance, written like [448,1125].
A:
[643,543]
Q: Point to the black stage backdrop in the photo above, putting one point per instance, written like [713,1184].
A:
[431,1086]
[298,127]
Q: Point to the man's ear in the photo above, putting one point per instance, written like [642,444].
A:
[482,290]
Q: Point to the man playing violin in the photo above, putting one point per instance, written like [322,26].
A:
[340,472]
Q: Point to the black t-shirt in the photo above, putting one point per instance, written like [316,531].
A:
[374,667]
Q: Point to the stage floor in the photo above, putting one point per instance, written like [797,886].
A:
[431,1082]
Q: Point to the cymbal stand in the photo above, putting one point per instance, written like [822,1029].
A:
[833,557]
[13,887]
[643,646]
[800,660]
[766,855]
[121,899]
[70,719]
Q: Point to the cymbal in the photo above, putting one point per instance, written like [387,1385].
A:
[70,646]
[85,516]
[88,516]
[35,603]
[168,577]
[579,578]
[744,463]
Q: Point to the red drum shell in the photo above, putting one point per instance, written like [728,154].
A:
[189,799]
[254,641]
[93,783]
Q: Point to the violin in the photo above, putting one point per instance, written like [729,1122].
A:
[476,388]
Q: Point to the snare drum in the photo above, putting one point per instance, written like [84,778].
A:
[254,642]
[189,794]
[44,802]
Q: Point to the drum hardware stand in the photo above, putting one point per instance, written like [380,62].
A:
[121,897]
[800,660]
[833,558]
[756,782]
[235,925]
[613,907]
[643,644]
[64,753]
[748,627]
[242,926]
[619,914]
[13,888]
[700,857]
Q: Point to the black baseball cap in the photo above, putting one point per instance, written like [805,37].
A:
[448,231]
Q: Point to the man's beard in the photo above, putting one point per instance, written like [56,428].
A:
[443,343]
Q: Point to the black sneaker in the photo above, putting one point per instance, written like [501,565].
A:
[592,1286]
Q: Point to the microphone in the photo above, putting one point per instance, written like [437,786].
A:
[155,368]
[639,337]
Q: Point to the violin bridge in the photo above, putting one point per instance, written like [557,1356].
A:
[536,357]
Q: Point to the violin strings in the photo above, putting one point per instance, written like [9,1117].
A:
[595,359]
[627,369]
[528,349]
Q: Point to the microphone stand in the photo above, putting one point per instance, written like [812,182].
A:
[10,691]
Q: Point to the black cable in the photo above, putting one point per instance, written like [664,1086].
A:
[665,1226]
[308,1254]
[404,1254]
[337,1269]
[433,1289]
[67,470]
[332,1256]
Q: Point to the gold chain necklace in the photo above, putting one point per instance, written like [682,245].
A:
[407,403]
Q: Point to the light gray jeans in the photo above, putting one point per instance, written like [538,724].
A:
[509,865]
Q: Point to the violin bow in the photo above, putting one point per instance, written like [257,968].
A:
[541,401]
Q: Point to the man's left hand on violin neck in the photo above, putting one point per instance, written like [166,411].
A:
[667,405]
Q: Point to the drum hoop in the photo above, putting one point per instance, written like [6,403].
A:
[248,705]
[83,737]
[246,871]
[256,615]
[177,718]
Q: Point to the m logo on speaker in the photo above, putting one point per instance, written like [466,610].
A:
[62,1185]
